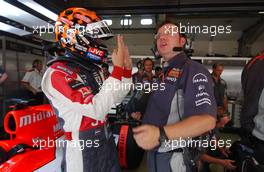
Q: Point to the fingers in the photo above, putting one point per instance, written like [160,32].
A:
[138,140]
[120,46]
[229,164]
[126,52]
[232,161]
[120,42]
[118,54]
[127,59]
[121,54]
[138,129]
[114,51]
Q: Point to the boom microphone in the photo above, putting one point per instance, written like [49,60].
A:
[176,49]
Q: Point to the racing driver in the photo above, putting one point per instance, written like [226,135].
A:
[78,93]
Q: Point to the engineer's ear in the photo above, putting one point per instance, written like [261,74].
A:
[183,41]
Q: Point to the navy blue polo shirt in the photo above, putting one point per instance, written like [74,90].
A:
[188,91]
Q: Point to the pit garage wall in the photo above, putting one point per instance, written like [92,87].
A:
[16,58]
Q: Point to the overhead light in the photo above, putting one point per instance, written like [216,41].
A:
[126,22]
[108,21]
[146,21]
[42,10]
[8,9]
[16,14]
[127,15]
[261,12]
[13,30]
[5,27]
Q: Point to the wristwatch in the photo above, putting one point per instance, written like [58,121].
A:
[163,137]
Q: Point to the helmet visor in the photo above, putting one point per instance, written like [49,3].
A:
[99,30]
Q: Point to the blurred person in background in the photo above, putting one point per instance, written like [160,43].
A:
[220,153]
[148,66]
[137,77]
[158,74]
[3,76]
[220,89]
[32,82]
[105,69]
[252,113]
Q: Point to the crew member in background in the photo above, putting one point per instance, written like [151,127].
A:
[158,74]
[220,89]
[3,76]
[138,102]
[137,77]
[220,153]
[105,69]
[148,66]
[32,82]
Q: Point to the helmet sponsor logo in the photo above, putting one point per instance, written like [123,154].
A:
[96,51]
[82,17]
[66,21]
[92,56]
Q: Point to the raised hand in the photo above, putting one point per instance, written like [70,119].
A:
[127,59]
[118,54]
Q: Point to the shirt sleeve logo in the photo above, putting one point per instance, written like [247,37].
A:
[203,101]
[174,74]
[200,78]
